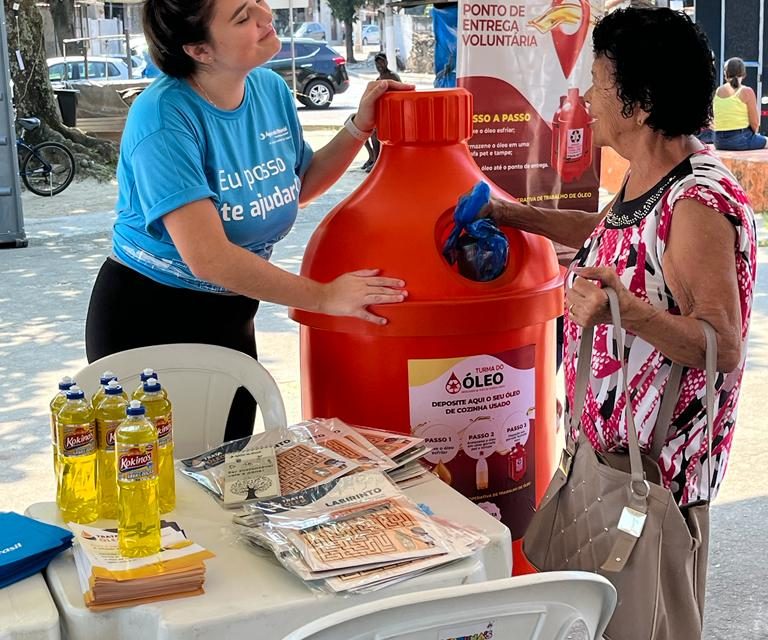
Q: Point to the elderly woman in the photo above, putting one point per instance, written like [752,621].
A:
[677,244]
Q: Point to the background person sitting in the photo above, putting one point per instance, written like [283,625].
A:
[736,116]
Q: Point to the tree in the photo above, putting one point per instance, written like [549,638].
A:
[63,14]
[346,11]
[34,96]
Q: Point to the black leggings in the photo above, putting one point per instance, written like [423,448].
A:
[128,310]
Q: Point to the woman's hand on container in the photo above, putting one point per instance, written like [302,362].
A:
[351,293]
[586,302]
[365,118]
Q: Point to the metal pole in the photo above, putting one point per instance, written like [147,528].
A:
[11,217]
[128,59]
[293,47]
[760,59]
[722,39]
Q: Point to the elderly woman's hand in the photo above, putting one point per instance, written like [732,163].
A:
[587,303]
[365,118]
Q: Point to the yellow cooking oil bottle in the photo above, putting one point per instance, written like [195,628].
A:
[145,375]
[104,380]
[138,521]
[56,404]
[159,411]
[110,412]
[78,496]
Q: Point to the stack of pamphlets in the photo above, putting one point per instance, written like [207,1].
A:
[358,533]
[404,451]
[27,546]
[264,465]
[340,438]
[109,580]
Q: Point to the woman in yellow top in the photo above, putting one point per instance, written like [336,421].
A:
[736,116]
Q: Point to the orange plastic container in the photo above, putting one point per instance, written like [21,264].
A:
[468,365]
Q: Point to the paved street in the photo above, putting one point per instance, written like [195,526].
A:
[346,103]
[44,292]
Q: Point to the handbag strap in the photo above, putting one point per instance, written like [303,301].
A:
[633,516]
[671,392]
[663,427]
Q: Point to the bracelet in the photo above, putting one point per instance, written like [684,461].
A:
[354,131]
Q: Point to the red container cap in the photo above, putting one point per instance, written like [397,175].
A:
[440,116]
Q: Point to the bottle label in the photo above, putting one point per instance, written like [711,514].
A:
[575,144]
[77,439]
[164,426]
[136,462]
[106,431]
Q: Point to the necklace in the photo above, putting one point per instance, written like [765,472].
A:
[628,213]
[203,91]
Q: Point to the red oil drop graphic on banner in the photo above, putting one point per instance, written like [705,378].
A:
[568,21]
[453,385]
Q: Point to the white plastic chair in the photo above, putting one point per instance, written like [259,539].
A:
[201,380]
[563,605]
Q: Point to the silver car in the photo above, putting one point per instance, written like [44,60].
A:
[98,68]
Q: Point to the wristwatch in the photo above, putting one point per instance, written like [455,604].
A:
[354,131]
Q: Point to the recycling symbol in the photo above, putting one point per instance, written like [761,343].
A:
[575,136]
[453,385]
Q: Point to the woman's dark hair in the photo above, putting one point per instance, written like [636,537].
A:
[169,25]
[642,43]
[735,70]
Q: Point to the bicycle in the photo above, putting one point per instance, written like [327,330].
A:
[46,168]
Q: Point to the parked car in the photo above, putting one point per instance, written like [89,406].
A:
[99,68]
[371,34]
[321,72]
[137,63]
[313,30]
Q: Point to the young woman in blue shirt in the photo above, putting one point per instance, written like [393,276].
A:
[213,167]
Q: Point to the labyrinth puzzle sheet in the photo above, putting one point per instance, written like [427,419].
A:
[388,530]
[301,466]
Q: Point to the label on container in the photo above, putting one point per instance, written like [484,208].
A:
[575,144]
[77,439]
[106,431]
[164,426]
[136,462]
[476,414]
[250,474]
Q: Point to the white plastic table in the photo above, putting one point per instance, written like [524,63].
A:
[27,611]
[248,594]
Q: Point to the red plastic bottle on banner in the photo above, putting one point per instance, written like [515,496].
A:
[571,137]
[398,221]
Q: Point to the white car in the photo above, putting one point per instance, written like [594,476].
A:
[371,34]
[137,62]
[99,68]
[313,30]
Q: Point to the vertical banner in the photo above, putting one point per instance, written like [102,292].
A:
[528,64]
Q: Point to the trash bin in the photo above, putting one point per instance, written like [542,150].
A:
[67,99]
[467,365]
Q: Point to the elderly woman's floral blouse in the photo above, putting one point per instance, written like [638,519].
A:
[632,238]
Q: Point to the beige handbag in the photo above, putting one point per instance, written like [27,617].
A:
[610,514]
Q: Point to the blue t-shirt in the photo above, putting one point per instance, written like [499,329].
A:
[178,148]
